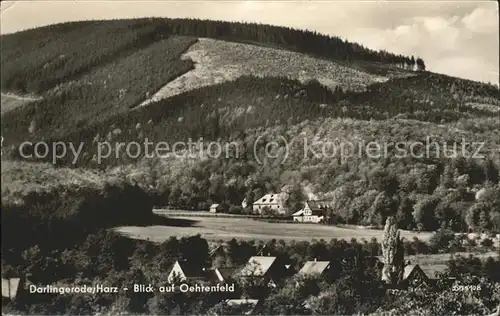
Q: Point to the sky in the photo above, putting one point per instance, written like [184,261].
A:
[457,38]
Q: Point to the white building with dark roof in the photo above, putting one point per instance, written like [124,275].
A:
[312,212]
[214,208]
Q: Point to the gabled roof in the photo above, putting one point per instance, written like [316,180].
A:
[257,266]
[249,305]
[10,287]
[314,267]
[411,270]
[271,198]
[317,205]
[298,213]
[408,270]
[195,271]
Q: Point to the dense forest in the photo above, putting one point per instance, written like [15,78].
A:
[227,109]
[37,60]
[426,191]
[110,90]
[72,212]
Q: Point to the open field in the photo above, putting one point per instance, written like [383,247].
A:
[184,213]
[433,263]
[216,228]
[441,257]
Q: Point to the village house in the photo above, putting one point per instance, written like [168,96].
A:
[312,212]
[272,202]
[244,306]
[189,271]
[11,288]
[265,269]
[215,208]
[415,277]
[14,289]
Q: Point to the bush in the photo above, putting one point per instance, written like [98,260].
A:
[487,243]
[235,209]
[441,240]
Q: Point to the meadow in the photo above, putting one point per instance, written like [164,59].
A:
[216,228]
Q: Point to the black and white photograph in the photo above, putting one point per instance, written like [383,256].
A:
[250,157]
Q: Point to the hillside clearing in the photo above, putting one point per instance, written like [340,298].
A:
[219,61]
[217,228]
[11,101]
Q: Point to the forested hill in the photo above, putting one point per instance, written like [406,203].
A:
[38,59]
[100,81]
[126,85]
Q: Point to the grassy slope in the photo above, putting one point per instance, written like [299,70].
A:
[219,61]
